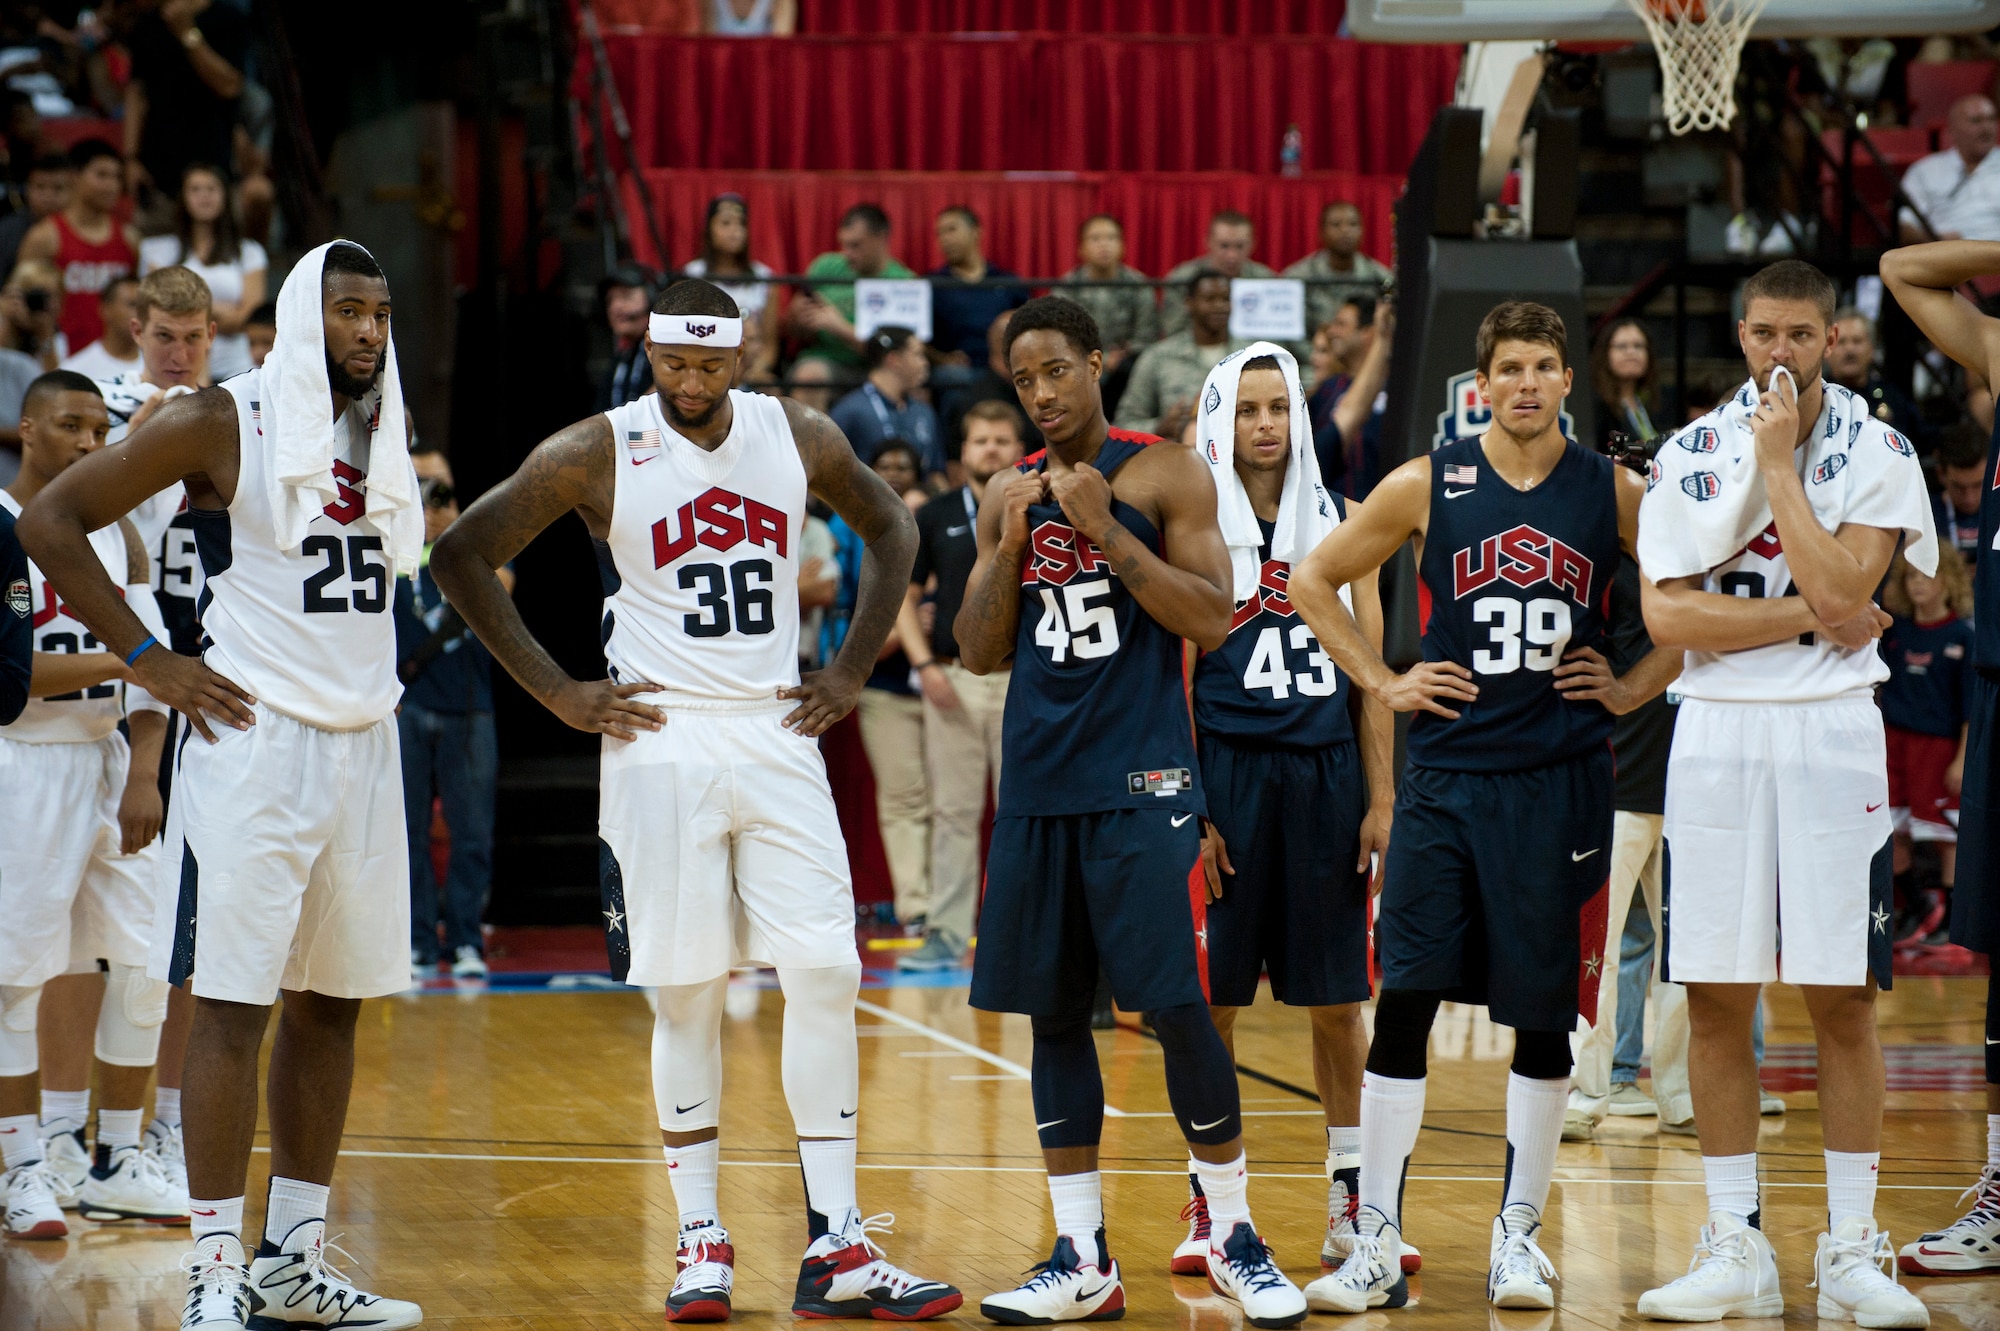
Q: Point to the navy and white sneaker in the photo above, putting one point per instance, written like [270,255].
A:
[704,1275]
[1191,1254]
[218,1293]
[844,1274]
[127,1183]
[1371,1277]
[1062,1289]
[291,1286]
[1518,1270]
[69,1164]
[1241,1269]
[1968,1245]
[1343,1210]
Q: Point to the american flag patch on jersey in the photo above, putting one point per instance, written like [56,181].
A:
[1464,473]
[643,444]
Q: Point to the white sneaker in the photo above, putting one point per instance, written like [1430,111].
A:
[1968,1244]
[169,1152]
[704,1276]
[1241,1269]
[1578,1125]
[1062,1289]
[292,1286]
[845,1274]
[28,1195]
[1371,1277]
[217,1297]
[130,1185]
[467,964]
[1343,1208]
[1769,1105]
[1191,1254]
[69,1165]
[1855,1272]
[1518,1270]
[1733,1274]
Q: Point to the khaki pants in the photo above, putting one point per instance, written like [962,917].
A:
[1635,863]
[892,731]
[962,751]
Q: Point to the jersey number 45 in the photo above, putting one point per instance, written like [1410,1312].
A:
[1072,625]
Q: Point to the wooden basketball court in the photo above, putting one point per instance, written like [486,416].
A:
[502,1168]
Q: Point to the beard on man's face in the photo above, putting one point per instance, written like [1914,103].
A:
[698,421]
[347,385]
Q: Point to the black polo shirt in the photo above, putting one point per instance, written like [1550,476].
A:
[947,547]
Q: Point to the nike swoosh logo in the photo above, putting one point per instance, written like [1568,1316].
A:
[640,462]
[689,1109]
[196,1210]
[1180,820]
[1039,1127]
[958,531]
[1204,1127]
[847,1113]
[1453,494]
[1085,1296]
[1876,805]
[1578,859]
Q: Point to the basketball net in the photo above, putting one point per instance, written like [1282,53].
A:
[1699,42]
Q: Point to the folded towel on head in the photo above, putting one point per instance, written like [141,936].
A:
[299,423]
[1305,510]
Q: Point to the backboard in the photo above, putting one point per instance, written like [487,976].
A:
[1613,20]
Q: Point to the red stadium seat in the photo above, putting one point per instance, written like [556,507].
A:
[1934,86]
[1872,185]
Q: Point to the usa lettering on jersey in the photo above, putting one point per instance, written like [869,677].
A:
[1071,576]
[1274,593]
[1058,553]
[1526,557]
[712,520]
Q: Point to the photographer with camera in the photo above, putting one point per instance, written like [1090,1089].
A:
[30,306]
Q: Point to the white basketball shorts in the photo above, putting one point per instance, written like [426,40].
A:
[286,864]
[718,846]
[1778,843]
[66,894]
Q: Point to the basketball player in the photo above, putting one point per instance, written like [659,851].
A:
[17,625]
[715,806]
[1923,279]
[1096,556]
[286,866]
[1503,821]
[76,875]
[1768,524]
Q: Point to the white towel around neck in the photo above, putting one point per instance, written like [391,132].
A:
[299,423]
[1305,510]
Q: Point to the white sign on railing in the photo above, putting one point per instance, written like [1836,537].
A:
[1268,307]
[892,302]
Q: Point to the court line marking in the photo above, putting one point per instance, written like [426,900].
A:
[966,1047]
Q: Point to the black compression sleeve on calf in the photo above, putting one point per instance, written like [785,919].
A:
[1992,1033]
[1542,1055]
[1402,1040]
[1201,1079]
[1067,1087]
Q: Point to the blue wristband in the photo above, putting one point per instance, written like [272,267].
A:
[140,650]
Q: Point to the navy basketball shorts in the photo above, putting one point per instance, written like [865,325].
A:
[1290,822]
[1975,913]
[1487,873]
[1066,894]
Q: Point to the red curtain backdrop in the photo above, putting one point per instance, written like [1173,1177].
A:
[1030,221]
[1190,18]
[1025,103]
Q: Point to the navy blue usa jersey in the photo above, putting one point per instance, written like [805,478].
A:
[1511,580]
[1269,686]
[1097,716]
[1930,673]
[17,632]
[1986,573]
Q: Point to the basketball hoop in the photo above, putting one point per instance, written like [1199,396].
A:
[1700,42]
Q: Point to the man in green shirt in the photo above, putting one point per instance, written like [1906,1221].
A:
[1339,259]
[827,313]
[1230,240]
[1167,377]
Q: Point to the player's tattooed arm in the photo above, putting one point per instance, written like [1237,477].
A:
[865,501]
[990,615]
[569,471]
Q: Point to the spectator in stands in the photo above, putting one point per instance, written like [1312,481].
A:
[628,300]
[117,352]
[886,407]
[812,382]
[85,240]
[180,105]
[1128,314]
[725,254]
[1961,483]
[45,191]
[961,711]
[1850,362]
[1346,410]
[205,240]
[826,312]
[445,724]
[1230,240]
[261,332]
[18,368]
[1168,377]
[1338,269]
[1958,190]
[1624,374]
[750,18]
[961,310]
[31,309]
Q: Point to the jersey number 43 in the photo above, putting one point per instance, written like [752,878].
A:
[1268,668]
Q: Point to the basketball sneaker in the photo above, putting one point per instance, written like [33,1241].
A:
[69,1164]
[168,1150]
[705,1272]
[1518,1271]
[1855,1270]
[292,1286]
[28,1194]
[1242,1270]
[1343,1208]
[844,1274]
[1733,1274]
[1062,1289]
[218,1295]
[1371,1277]
[1968,1244]
[467,964]
[1191,1256]
[128,1184]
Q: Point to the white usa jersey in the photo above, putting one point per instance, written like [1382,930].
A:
[87,714]
[308,631]
[701,573]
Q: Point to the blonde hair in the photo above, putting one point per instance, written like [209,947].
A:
[1951,573]
[173,290]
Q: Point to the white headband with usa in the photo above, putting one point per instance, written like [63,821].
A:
[700,330]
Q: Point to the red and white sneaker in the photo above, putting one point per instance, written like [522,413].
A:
[846,1275]
[1191,1256]
[1062,1289]
[1968,1245]
[1343,1208]
[704,1274]
[28,1200]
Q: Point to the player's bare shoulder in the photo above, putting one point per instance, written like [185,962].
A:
[821,442]
[1163,477]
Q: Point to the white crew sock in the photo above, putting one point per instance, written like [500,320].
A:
[1850,1185]
[167,1106]
[1993,1140]
[20,1140]
[292,1202]
[1078,1203]
[829,1170]
[691,1170]
[1227,1187]
[68,1109]
[118,1127]
[1534,1126]
[1343,1141]
[223,1217]
[1392,1113]
[1732,1183]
